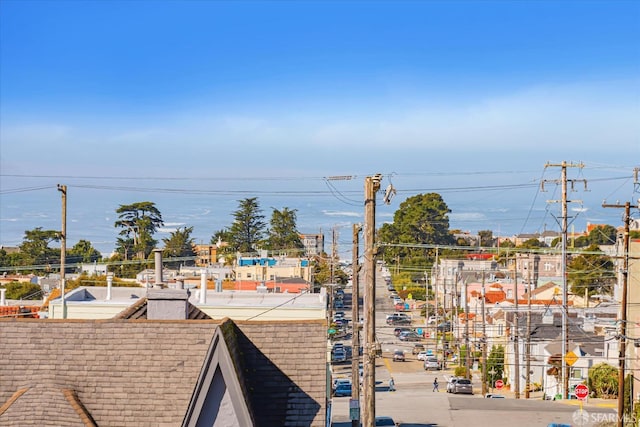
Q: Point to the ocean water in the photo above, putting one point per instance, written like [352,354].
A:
[504,206]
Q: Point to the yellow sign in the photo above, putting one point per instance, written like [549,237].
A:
[570,358]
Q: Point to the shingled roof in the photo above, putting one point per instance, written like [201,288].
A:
[148,372]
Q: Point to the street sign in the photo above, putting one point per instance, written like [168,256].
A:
[570,358]
[581,391]
[354,409]
[331,331]
[499,384]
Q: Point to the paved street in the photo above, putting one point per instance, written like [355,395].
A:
[415,404]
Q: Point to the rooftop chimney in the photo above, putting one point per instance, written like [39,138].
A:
[109,285]
[157,254]
[167,304]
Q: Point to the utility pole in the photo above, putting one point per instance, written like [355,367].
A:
[371,187]
[516,332]
[466,332]
[623,308]
[484,341]
[565,292]
[334,251]
[63,248]
[355,316]
[527,391]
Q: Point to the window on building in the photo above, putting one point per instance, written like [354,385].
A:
[576,373]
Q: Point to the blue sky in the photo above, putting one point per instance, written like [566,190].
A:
[436,94]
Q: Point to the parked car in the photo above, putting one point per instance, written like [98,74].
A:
[422,355]
[338,381]
[398,319]
[417,349]
[342,390]
[398,356]
[445,327]
[400,306]
[385,422]
[431,364]
[339,355]
[398,331]
[463,385]
[409,336]
[450,384]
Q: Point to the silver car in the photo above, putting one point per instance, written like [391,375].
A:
[463,385]
[431,364]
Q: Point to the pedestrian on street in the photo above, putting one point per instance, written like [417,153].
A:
[392,385]
[435,384]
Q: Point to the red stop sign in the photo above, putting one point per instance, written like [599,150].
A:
[581,391]
[499,384]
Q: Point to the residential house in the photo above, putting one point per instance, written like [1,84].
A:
[546,346]
[99,302]
[633,311]
[313,243]
[264,268]
[142,369]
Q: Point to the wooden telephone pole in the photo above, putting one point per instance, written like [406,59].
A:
[484,341]
[516,332]
[527,390]
[355,319]
[623,308]
[63,249]
[371,187]
[565,292]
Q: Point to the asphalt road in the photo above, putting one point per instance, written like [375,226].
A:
[415,404]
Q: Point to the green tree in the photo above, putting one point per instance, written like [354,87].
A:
[486,238]
[247,231]
[532,243]
[13,259]
[603,381]
[35,246]
[83,251]
[179,244]
[139,222]
[283,233]
[23,290]
[495,364]
[421,219]
[121,267]
[591,271]
[579,242]
[604,235]
[324,270]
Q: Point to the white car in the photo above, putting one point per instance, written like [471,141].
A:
[431,363]
[422,355]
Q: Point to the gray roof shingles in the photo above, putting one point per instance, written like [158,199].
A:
[142,373]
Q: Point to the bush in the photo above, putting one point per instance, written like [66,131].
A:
[460,371]
[23,290]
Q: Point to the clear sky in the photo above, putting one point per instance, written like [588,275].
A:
[438,91]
